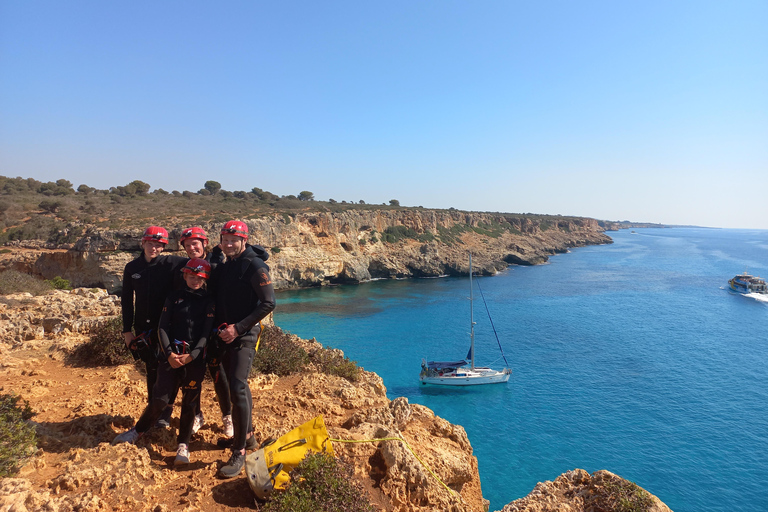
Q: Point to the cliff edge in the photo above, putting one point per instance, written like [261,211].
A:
[80,409]
[320,248]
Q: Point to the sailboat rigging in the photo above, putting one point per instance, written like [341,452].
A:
[457,373]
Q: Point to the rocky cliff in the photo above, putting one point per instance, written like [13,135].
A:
[318,248]
[80,409]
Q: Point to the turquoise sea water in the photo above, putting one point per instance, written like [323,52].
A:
[631,357]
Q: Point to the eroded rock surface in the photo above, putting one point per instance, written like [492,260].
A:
[310,249]
[578,491]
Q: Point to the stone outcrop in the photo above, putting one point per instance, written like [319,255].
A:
[311,249]
[578,491]
[25,318]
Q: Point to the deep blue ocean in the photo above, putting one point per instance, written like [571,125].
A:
[631,357]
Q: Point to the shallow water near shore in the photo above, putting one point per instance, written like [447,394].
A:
[631,357]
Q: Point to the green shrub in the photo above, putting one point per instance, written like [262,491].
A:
[13,281]
[333,362]
[275,250]
[17,436]
[105,346]
[59,283]
[278,353]
[625,496]
[320,483]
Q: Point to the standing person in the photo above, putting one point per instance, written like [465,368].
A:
[244,296]
[195,242]
[185,324]
[148,279]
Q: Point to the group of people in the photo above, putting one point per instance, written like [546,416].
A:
[183,314]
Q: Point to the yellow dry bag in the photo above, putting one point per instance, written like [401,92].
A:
[268,467]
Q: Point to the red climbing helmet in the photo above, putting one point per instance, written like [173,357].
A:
[155,233]
[192,233]
[235,227]
[198,267]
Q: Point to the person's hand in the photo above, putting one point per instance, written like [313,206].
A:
[174,361]
[229,334]
[128,337]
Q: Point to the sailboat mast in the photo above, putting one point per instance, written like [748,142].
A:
[471,314]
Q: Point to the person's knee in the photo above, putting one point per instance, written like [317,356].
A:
[160,402]
[238,388]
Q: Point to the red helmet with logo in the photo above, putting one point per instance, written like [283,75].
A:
[155,233]
[192,233]
[235,227]
[197,267]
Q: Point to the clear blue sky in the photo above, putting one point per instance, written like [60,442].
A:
[639,110]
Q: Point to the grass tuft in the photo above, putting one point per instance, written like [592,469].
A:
[17,436]
[320,483]
[279,353]
[105,347]
[624,496]
[13,281]
[334,362]
[59,283]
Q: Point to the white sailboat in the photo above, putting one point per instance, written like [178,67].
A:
[463,372]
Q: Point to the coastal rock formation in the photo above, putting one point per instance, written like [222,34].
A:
[319,248]
[26,318]
[578,491]
[80,409]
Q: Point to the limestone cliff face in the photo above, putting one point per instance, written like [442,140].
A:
[311,249]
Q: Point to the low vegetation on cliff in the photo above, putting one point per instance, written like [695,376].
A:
[17,435]
[321,483]
[57,213]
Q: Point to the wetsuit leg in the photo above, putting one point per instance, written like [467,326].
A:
[151,367]
[161,392]
[192,376]
[237,365]
[221,385]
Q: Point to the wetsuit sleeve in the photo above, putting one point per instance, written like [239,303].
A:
[207,328]
[216,256]
[164,328]
[262,286]
[126,300]
[175,264]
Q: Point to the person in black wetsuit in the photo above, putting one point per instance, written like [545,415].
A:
[147,281]
[194,240]
[244,297]
[185,323]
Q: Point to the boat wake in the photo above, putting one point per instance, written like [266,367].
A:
[760,297]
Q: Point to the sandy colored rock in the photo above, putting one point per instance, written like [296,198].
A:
[578,491]
[331,247]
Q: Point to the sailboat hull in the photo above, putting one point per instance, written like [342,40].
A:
[466,377]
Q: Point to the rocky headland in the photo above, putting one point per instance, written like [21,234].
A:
[79,410]
[321,248]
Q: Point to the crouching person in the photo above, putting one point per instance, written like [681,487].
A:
[185,323]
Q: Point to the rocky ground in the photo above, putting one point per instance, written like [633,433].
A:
[79,410]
